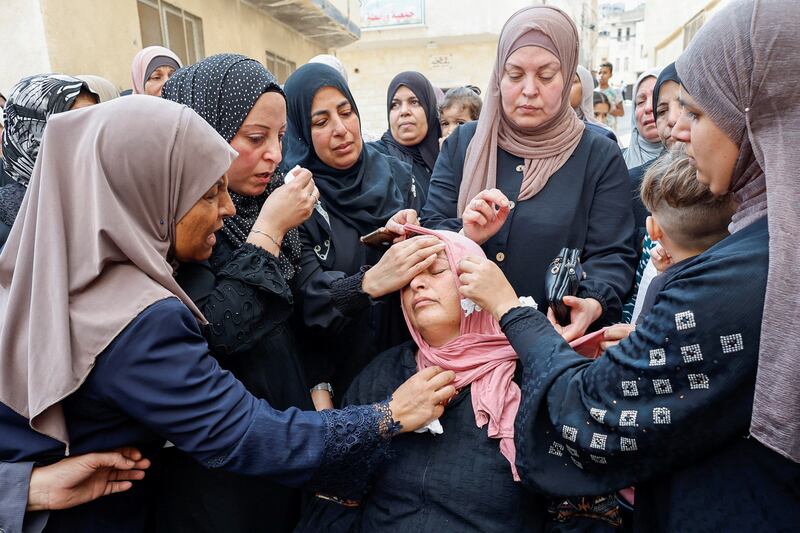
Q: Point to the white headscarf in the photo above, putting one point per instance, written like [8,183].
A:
[640,150]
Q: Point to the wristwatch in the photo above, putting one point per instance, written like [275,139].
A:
[323,386]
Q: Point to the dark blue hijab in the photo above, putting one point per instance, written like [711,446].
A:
[365,195]
[668,73]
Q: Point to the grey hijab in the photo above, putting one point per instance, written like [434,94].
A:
[640,150]
[739,69]
[90,248]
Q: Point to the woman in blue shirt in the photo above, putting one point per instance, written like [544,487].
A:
[123,361]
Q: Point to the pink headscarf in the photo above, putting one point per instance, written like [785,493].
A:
[480,356]
[142,60]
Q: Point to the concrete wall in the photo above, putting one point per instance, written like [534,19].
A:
[92,37]
[102,36]
[23,47]
[663,26]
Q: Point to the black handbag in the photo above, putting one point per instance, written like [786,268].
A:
[562,278]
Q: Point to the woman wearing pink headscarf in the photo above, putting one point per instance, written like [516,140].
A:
[459,473]
[151,69]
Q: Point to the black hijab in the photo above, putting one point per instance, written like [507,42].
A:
[668,73]
[426,152]
[223,89]
[365,195]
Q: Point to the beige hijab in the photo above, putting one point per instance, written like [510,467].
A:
[740,69]
[103,89]
[546,148]
[89,249]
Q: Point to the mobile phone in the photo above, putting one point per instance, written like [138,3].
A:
[379,238]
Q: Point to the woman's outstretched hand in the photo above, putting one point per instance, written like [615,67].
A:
[83,478]
[485,215]
[400,264]
[484,283]
[422,398]
[583,312]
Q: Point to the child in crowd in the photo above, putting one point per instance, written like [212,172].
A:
[601,106]
[460,105]
[686,219]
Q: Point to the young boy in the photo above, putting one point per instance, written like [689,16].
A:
[613,95]
[686,219]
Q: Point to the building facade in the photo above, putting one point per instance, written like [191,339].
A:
[669,27]
[102,36]
[620,41]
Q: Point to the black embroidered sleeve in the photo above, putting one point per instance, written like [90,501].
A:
[250,299]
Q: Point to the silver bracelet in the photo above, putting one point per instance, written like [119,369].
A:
[276,243]
[323,386]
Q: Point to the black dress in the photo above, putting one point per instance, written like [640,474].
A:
[585,204]
[247,303]
[340,328]
[422,174]
[456,481]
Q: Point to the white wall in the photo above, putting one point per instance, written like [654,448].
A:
[23,46]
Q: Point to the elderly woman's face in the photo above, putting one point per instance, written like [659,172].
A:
[712,152]
[157,79]
[407,120]
[194,233]
[667,111]
[433,304]
[258,142]
[531,87]
[335,129]
[643,103]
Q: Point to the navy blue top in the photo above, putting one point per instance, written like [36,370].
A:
[156,381]
[456,481]
[668,409]
[585,205]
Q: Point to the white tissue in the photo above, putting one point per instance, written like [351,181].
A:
[433,426]
[291,175]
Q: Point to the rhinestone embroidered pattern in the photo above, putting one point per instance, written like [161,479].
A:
[598,441]
[658,357]
[662,386]
[598,414]
[684,320]
[629,388]
[556,449]
[692,353]
[627,445]
[661,415]
[598,459]
[627,418]
[698,381]
[569,433]
[732,343]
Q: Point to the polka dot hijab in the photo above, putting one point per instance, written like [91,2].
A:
[223,89]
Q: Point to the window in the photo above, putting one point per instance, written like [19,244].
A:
[627,64]
[166,25]
[280,66]
[628,33]
[619,34]
[692,27]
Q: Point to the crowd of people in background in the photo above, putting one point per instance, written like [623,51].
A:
[226,307]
